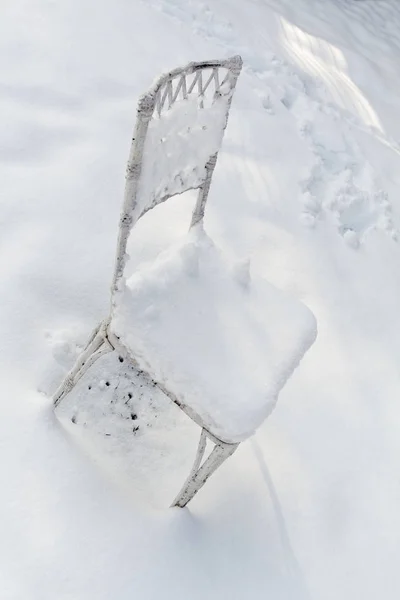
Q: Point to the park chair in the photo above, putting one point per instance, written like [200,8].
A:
[217,342]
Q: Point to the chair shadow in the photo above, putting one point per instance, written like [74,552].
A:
[292,564]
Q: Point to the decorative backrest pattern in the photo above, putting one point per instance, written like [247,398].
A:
[179,129]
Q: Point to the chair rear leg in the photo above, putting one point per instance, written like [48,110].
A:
[199,474]
[97,346]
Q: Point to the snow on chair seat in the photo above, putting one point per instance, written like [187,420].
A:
[222,344]
[216,343]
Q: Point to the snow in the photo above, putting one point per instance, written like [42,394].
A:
[306,509]
[140,439]
[223,347]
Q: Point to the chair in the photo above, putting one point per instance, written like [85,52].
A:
[217,342]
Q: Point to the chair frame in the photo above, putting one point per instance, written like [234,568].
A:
[102,341]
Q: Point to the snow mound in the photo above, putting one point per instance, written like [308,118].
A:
[222,343]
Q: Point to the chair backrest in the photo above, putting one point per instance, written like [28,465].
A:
[179,128]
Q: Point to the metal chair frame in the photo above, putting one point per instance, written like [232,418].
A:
[178,85]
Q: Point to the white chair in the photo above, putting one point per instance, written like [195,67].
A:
[218,343]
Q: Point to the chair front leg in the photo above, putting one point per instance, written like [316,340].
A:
[199,474]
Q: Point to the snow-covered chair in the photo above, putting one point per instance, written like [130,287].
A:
[217,342]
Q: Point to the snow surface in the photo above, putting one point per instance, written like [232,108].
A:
[222,342]
[308,508]
[142,441]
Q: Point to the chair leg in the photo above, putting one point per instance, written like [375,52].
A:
[199,474]
[97,346]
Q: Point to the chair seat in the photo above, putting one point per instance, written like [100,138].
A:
[222,343]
